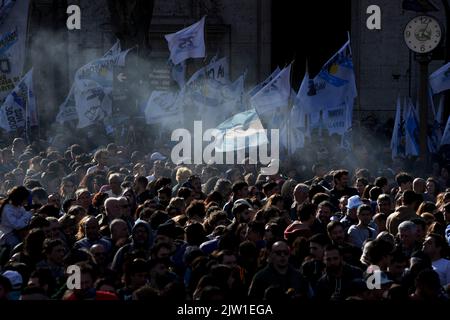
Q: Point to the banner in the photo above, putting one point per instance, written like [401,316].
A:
[13,33]
[187,43]
[19,108]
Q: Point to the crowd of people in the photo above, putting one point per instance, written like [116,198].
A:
[138,227]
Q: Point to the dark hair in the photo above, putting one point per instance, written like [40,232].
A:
[320,238]
[16,196]
[142,181]
[364,207]
[269,186]
[238,186]
[338,174]
[50,244]
[196,208]
[320,197]
[331,247]
[184,192]
[378,249]
[439,241]
[333,224]
[402,178]
[409,197]
[305,211]
[380,182]
[374,193]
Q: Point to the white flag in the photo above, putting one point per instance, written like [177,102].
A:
[162,108]
[19,109]
[13,33]
[261,85]
[187,43]
[272,101]
[440,79]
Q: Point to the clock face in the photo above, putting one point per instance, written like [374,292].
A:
[422,34]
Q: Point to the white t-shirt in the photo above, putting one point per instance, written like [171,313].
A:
[442,267]
[13,218]
[95,168]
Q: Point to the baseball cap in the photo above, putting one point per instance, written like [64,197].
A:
[157,156]
[15,278]
[354,202]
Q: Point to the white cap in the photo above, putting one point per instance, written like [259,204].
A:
[354,202]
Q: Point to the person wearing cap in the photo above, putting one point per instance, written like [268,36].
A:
[157,156]
[278,273]
[341,188]
[351,216]
[16,282]
[240,191]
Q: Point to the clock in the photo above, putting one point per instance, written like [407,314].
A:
[422,34]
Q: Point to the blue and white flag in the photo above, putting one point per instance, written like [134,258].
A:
[261,85]
[19,108]
[440,79]
[243,130]
[334,85]
[187,43]
[412,133]
[328,99]
[13,34]
[398,137]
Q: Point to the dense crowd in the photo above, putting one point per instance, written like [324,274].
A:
[140,227]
